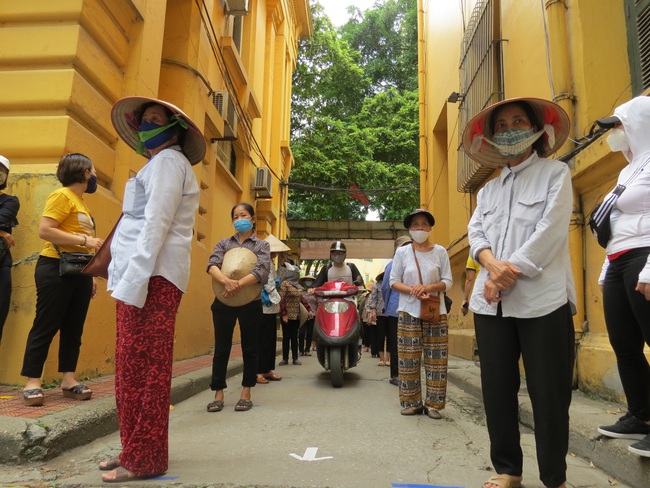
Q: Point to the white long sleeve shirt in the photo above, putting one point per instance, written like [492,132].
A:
[630,217]
[523,216]
[154,236]
[435,267]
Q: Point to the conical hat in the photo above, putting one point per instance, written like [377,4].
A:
[237,263]
[304,314]
[125,121]
[550,118]
[276,244]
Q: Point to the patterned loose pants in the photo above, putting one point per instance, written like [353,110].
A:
[415,337]
[143,373]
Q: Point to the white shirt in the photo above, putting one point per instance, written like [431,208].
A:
[523,216]
[434,266]
[154,236]
[630,217]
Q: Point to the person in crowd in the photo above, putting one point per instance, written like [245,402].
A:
[524,295]
[365,326]
[419,271]
[291,293]
[471,269]
[306,331]
[625,276]
[375,306]
[268,333]
[62,301]
[249,315]
[338,269]
[9,206]
[391,300]
[283,261]
[370,322]
[148,274]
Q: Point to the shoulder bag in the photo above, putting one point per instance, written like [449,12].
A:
[72,263]
[599,222]
[430,306]
[98,265]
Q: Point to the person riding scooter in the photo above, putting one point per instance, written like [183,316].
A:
[338,269]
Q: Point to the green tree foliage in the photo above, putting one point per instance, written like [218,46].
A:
[386,38]
[355,121]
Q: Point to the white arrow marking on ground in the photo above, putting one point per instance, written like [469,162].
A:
[310,455]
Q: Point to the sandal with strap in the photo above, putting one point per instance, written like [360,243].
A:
[110,465]
[243,405]
[122,475]
[216,406]
[504,481]
[78,392]
[33,397]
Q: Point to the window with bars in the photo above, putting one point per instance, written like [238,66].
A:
[481,81]
[638,34]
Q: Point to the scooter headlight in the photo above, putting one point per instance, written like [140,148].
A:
[337,307]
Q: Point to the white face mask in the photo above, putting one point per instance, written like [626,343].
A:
[419,236]
[617,140]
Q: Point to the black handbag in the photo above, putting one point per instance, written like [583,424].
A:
[601,228]
[73,263]
[599,220]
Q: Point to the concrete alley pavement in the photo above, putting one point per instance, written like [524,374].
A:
[304,433]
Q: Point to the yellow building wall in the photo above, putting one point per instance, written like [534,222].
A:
[64,65]
[559,44]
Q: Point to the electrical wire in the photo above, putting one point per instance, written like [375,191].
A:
[221,65]
[303,187]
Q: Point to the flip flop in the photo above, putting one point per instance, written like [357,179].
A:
[110,465]
[243,405]
[33,397]
[123,475]
[504,481]
[216,406]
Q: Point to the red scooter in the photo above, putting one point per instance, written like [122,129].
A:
[337,329]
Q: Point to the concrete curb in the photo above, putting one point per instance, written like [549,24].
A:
[23,440]
[587,414]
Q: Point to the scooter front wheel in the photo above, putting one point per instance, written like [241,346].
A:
[336,367]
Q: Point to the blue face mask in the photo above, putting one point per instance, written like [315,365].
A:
[91,186]
[154,135]
[513,142]
[243,225]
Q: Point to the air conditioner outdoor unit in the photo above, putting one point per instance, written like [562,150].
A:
[263,183]
[224,148]
[237,7]
[226,108]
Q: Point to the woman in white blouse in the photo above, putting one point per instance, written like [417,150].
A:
[523,296]
[625,276]
[148,275]
[414,335]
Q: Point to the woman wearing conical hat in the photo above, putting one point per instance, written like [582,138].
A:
[239,299]
[148,275]
[524,295]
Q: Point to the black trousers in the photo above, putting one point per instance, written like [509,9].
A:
[382,332]
[61,306]
[373,332]
[290,337]
[627,315]
[391,345]
[306,335]
[268,339]
[546,345]
[224,319]
[5,289]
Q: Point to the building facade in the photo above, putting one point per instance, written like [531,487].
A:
[228,64]
[587,56]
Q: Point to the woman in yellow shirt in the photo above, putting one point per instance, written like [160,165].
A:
[62,301]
